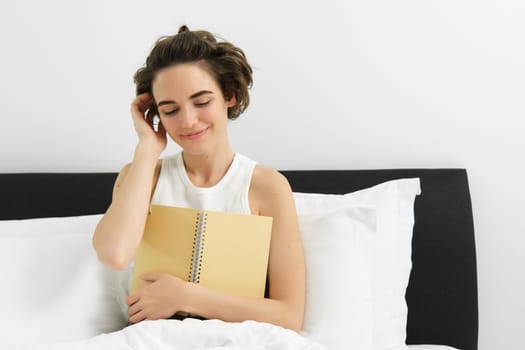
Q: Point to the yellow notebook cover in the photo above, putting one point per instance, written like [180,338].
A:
[227,252]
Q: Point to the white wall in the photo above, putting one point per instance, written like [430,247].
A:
[341,84]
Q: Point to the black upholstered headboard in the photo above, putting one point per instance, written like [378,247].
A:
[442,293]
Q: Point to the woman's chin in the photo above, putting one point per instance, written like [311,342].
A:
[195,149]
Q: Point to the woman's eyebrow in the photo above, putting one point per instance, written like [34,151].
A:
[195,95]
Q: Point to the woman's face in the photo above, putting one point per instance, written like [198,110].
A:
[191,107]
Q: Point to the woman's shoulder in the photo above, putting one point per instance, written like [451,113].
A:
[272,193]
[268,180]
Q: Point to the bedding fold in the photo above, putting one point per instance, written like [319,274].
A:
[195,334]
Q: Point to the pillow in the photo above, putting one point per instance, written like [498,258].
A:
[430,347]
[389,251]
[336,245]
[54,287]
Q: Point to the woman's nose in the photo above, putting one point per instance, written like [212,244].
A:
[188,118]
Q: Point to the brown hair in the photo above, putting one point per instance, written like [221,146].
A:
[226,63]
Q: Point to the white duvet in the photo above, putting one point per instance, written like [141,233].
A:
[195,334]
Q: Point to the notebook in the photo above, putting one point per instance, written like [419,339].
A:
[227,252]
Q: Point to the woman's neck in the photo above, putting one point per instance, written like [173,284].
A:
[206,170]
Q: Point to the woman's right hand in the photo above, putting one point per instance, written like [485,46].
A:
[143,115]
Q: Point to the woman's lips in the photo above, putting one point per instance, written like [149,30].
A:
[195,135]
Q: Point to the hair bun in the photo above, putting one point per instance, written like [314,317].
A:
[183,28]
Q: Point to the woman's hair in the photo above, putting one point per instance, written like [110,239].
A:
[226,63]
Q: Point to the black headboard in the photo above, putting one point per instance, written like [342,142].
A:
[442,293]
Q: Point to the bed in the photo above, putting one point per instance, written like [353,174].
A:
[441,295]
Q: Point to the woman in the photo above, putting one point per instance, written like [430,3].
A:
[195,84]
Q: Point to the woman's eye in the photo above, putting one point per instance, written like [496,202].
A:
[202,104]
[172,112]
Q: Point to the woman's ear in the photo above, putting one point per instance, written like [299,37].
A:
[231,102]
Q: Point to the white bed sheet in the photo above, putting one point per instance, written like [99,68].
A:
[191,334]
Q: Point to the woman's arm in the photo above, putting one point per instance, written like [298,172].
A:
[286,269]
[119,232]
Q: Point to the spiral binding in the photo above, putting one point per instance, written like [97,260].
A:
[198,247]
[194,249]
[202,237]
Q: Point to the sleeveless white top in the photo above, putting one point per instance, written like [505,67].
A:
[230,194]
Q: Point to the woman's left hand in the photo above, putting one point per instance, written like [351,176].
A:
[161,299]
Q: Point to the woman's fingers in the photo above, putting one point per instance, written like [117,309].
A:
[144,99]
[132,299]
[139,106]
[150,115]
[161,130]
[139,316]
[133,309]
[142,103]
[143,113]
[135,312]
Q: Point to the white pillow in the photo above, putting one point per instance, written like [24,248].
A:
[389,250]
[431,347]
[337,247]
[54,288]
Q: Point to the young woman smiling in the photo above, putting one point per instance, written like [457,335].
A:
[194,84]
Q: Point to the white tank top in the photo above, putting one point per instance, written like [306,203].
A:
[230,194]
